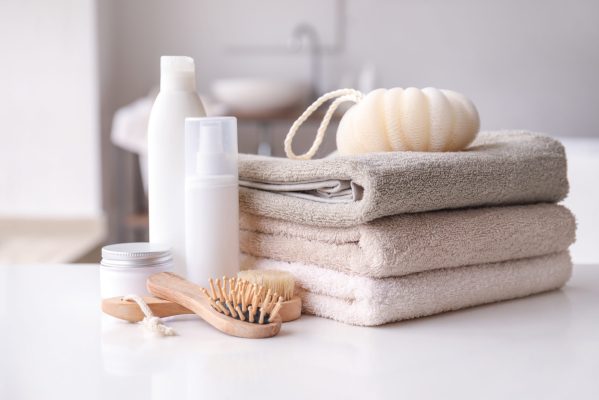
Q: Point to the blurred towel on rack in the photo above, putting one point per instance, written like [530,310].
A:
[130,131]
[408,243]
[130,126]
[499,168]
[367,301]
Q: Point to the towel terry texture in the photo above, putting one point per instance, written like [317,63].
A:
[499,168]
[384,237]
[369,301]
[408,243]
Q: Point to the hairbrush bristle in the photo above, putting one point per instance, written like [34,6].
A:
[280,282]
[243,300]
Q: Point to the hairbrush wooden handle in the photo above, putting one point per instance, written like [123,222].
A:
[128,310]
[169,286]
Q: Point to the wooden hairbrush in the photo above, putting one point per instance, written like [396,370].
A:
[278,281]
[233,306]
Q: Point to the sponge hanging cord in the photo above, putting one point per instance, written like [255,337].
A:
[340,96]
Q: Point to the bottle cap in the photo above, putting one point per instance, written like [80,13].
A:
[177,72]
[211,146]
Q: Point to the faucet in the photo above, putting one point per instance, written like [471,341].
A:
[305,36]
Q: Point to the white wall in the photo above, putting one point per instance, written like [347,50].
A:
[49,141]
[526,64]
[583,200]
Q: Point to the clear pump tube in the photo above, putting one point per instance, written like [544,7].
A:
[211,198]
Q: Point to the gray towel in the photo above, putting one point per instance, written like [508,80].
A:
[408,243]
[367,301]
[499,168]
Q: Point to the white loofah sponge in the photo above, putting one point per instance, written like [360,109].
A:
[395,119]
[408,120]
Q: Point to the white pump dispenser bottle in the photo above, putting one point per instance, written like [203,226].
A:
[211,198]
[166,154]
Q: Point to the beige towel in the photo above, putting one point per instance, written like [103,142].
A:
[367,301]
[408,243]
[499,168]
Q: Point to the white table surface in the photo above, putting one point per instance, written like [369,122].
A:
[55,344]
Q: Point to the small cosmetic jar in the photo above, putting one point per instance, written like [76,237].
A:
[125,267]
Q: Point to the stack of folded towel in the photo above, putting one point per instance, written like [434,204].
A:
[383,237]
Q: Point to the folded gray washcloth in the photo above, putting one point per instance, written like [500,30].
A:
[499,168]
[408,243]
[365,301]
[325,191]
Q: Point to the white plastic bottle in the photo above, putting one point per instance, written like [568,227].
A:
[176,101]
[211,198]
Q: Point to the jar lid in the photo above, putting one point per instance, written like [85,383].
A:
[141,254]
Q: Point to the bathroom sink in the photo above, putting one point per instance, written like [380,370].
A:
[260,96]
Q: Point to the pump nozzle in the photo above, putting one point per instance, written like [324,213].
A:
[211,146]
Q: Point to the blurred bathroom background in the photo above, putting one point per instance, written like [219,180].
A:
[77,79]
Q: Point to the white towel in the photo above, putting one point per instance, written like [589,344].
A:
[366,301]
